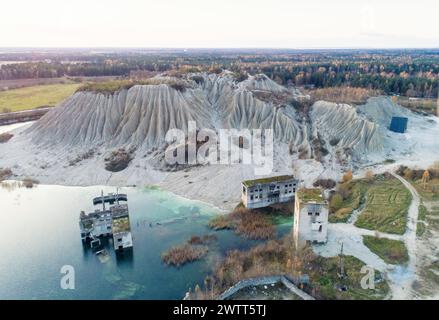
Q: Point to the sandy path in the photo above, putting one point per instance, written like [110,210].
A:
[403,290]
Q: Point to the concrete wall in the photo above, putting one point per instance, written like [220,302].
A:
[265,281]
[310,223]
[263,195]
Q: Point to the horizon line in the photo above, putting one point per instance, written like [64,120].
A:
[213,48]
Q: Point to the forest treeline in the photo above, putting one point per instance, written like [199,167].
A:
[413,74]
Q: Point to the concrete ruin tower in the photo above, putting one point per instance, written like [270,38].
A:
[310,217]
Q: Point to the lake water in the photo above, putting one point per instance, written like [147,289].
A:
[40,234]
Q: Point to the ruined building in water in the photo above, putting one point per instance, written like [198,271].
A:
[112,221]
[268,191]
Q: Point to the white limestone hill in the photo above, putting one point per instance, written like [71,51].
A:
[139,117]
[341,124]
[72,143]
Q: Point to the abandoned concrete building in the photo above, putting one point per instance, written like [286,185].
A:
[263,192]
[310,217]
[112,221]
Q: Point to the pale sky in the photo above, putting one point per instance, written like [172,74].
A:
[219,23]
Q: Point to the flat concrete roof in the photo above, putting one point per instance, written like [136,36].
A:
[310,195]
[250,183]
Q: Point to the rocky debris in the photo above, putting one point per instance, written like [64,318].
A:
[118,160]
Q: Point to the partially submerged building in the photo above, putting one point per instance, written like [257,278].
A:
[109,222]
[264,192]
[310,217]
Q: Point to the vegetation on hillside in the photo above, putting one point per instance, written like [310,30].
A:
[113,86]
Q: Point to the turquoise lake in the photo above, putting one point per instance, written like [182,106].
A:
[41,234]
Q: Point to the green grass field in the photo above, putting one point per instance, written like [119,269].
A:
[35,96]
[387,203]
[391,251]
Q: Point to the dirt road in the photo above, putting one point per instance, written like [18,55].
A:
[403,289]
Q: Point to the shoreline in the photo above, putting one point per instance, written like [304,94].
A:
[147,187]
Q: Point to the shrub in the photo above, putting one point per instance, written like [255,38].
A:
[198,79]
[325,183]
[29,182]
[240,76]
[178,86]
[83,156]
[206,239]
[347,176]
[5,173]
[180,255]
[336,202]
[5,137]
[220,223]
[370,176]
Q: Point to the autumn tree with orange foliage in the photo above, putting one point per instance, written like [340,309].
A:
[348,176]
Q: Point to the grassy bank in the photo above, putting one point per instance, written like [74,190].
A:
[110,87]
[391,251]
[36,96]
